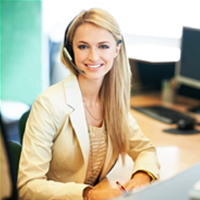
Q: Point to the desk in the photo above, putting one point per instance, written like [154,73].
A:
[175,152]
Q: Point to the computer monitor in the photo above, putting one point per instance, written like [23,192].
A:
[188,69]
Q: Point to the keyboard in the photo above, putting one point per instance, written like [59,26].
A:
[163,114]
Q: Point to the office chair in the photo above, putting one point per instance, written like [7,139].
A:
[22,124]
[10,154]
[15,151]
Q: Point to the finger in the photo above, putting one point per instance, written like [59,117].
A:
[129,187]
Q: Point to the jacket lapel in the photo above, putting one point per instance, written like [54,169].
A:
[110,160]
[77,116]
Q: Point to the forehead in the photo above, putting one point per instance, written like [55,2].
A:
[90,33]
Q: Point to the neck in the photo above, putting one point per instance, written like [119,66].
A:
[90,89]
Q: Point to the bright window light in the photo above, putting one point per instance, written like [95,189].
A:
[152,28]
[160,18]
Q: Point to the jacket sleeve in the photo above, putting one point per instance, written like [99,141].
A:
[36,155]
[142,151]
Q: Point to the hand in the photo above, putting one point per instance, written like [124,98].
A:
[139,179]
[103,194]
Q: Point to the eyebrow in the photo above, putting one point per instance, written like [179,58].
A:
[83,42]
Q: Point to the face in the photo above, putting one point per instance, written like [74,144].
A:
[94,51]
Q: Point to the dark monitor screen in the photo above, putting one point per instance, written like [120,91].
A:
[188,71]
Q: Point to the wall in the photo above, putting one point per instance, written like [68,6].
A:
[21,65]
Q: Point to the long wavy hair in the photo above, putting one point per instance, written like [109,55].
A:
[115,89]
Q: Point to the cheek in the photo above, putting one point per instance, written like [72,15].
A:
[110,55]
[79,57]
[109,58]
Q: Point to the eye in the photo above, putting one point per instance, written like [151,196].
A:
[104,46]
[83,46]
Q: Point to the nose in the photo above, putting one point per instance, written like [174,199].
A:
[93,54]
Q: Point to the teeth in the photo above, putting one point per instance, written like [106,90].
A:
[94,66]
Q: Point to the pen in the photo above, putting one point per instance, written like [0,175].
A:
[120,187]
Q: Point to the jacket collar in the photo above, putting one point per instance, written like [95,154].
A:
[77,114]
[72,91]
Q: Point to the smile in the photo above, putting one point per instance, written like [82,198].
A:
[94,66]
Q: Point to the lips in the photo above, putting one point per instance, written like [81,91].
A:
[94,66]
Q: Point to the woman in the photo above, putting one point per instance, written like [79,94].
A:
[78,128]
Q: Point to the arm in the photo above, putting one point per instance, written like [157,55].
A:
[92,194]
[38,142]
[143,153]
[146,165]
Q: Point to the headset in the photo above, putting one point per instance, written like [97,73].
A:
[68,51]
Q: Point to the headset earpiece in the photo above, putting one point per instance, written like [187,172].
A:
[119,42]
[67,43]
[68,50]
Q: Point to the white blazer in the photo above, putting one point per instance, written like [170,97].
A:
[55,148]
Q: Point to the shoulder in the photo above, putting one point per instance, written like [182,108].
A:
[52,96]
[58,92]
[134,127]
[132,122]
[51,104]
[56,96]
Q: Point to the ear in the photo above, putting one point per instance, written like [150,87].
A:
[118,50]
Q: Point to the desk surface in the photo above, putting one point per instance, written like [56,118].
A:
[175,152]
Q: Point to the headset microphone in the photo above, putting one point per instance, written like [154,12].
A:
[69,58]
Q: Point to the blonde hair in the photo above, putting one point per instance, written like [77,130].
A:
[115,89]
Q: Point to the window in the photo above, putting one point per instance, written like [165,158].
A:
[150,27]
[160,18]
